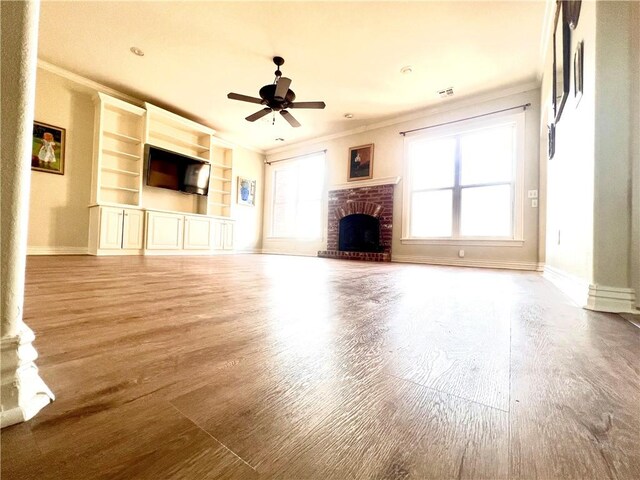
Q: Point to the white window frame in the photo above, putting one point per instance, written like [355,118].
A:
[289,165]
[517,239]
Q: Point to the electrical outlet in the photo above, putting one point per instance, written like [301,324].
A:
[534,202]
[461,253]
[532,194]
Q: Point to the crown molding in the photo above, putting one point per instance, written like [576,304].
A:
[416,115]
[547,26]
[99,87]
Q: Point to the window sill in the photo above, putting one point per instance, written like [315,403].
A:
[470,242]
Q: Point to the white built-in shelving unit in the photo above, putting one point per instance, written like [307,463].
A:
[118,155]
[126,216]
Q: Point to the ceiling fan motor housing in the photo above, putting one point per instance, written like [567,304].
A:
[267,93]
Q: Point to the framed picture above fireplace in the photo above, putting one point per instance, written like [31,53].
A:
[360,162]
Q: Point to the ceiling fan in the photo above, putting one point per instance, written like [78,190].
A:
[276,97]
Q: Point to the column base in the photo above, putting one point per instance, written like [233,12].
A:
[611,299]
[23,392]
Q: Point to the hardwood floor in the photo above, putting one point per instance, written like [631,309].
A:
[252,366]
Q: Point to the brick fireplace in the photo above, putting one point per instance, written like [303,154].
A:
[360,223]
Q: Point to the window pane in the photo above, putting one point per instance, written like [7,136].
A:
[285,186]
[487,155]
[308,223]
[431,213]
[297,199]
[486,212]
[284,216]
[311,178]
[432,163]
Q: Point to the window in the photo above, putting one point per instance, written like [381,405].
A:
[297,198]
[463,183]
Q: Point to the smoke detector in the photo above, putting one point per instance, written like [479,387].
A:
[447,92]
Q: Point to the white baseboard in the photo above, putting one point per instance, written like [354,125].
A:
[269,251]
[464,262]
[575,288]
[34,250]
[611,299]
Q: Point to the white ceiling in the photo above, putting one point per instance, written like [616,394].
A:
[348,54]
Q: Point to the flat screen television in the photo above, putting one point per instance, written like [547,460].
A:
[173,171]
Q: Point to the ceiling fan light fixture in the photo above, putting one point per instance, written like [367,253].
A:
[137,51]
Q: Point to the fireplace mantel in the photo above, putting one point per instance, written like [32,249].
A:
[366,183]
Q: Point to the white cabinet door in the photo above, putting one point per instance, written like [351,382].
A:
[218,234]
[197,233]
[111,228]
[228,236]
[133,230]
[164,231]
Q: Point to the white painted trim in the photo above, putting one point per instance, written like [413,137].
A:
[464,262]
[98,87]
[462,242]
[366,183]
[186,253]
[271,251]
[611,299]
[23,392]
[575,288]
[442,107]
[60,250]
[547,26]
[80,80]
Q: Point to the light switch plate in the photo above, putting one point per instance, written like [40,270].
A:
[534,202]
[532,194]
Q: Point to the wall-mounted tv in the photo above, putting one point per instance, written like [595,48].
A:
[166,169]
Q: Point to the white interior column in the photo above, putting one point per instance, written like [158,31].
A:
[23,393]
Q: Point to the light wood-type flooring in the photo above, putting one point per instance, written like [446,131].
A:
[275,367]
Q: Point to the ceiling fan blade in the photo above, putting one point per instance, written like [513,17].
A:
[307,105]
[289,118]
[244,98]
[282,87]
[259,114]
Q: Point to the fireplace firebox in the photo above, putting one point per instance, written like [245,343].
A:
[359,233]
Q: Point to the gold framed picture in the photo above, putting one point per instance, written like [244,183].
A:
[47,152]
[360,162]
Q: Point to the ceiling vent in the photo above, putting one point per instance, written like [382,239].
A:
[447,92]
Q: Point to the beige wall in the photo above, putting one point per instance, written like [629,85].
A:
[248,230]
[634,52]
[570,174]
[592,224]
[389,162]
[612,199]
[58,214]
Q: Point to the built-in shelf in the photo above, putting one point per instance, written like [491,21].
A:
[178,141]
[130,156]
[119,170]
[124,189]
[122,137]
[215,190]
[218,204]
[222,179]
[220,165]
